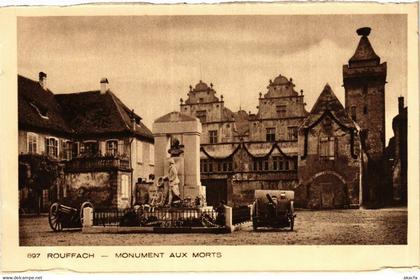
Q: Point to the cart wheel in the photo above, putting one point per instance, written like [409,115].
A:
[54,218]
[84,205]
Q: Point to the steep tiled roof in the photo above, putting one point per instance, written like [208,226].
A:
[95,113]
[328,101]
[38,109]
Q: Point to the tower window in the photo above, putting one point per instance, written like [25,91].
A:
[365,110]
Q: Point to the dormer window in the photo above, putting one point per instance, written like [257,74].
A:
[41,111]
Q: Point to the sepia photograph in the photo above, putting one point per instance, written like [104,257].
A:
[212,130]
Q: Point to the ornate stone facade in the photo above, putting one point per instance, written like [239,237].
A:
[241,152]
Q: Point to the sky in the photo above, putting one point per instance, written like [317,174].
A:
[150,61]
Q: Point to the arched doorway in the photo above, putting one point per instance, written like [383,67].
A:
[327,190]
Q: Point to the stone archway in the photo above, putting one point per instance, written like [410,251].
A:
[327,190]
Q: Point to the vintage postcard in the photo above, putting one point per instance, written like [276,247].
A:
[227,137]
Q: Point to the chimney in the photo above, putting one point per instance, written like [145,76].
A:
[43,80]
[104,85]
[133,120]
[400,104]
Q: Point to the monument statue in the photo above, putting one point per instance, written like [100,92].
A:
[174,194]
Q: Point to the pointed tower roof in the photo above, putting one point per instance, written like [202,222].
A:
[364,51]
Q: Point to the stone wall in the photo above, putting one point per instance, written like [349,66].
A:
[368,101]
[329,182]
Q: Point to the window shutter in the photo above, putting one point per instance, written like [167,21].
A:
[139,151]
[61,149]
[46,145]
[151,154]
[121,148]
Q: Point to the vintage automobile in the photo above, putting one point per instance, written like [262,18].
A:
[273,209]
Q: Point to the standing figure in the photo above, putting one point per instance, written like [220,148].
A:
[174,194]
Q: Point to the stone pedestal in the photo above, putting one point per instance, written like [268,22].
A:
[187,129]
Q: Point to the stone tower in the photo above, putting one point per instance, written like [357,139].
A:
[364,82]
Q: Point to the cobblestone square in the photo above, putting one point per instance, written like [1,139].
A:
[334,227]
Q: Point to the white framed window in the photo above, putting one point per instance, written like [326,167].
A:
[32,143]
[124,186]
[151,154]
[52,146]
[111,147]
[139,152]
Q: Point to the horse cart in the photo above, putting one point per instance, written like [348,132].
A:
[62,216]
[273,209]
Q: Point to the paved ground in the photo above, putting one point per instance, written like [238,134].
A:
[383,226]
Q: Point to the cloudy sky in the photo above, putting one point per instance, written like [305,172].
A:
[150,61]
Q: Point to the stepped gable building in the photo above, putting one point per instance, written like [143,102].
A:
[242,152]
[96,144]
[329,168]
